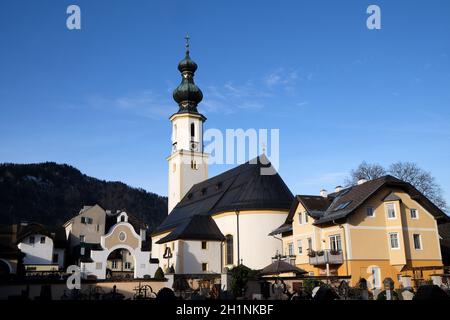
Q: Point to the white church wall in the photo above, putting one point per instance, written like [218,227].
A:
[256,246]
[193,256]
[37,252]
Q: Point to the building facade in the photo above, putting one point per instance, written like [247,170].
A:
[376,229]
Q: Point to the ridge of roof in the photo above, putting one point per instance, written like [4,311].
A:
[240,188]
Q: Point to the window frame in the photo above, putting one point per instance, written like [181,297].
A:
[204,266]
[310,243]
[32,240]
[420,241]
[229,250]
[335,242]
[42,240]
[373,212]
[299,246]
[388,205]
[82,238]
[204,247]
[290,249]
[390,240]
[417,213]
[300,218]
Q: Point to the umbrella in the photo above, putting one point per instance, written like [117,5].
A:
[279,267]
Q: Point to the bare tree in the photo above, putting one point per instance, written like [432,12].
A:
[420,179]
[368,171]
[407,171]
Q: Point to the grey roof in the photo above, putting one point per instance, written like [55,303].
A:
[196,228]
[241,188]
[285,227]
[279,267]
[339,205]
[348,200]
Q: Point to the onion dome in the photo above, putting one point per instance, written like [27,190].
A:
[187,94]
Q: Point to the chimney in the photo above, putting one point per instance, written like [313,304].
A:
[361,181]
[338,188]
[323,193]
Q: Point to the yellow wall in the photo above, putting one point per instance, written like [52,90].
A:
[365,240]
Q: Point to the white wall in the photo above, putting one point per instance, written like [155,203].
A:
[256,246]
[141,263]
[37,252]
[193,256]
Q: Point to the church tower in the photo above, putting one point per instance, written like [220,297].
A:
[188,164]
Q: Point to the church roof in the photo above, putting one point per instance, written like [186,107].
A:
[241,188]
[196,228]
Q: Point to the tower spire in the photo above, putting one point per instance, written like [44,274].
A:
[187,94]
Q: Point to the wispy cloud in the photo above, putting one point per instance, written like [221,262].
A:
[282,77]
[143,103]
[226,98]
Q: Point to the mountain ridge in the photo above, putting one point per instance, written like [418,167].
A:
[52,193]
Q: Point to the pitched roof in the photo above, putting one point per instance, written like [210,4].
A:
[278,267]
[348,200]
[339,205]
[241,188]
[196,228]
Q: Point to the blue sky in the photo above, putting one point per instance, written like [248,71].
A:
[99,98]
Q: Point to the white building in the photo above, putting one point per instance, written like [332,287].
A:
[43,249]
[222,221]
[97,236]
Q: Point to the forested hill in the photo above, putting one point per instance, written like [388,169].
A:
[51,193]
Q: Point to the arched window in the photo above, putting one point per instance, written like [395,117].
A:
[192,130]
[229,249]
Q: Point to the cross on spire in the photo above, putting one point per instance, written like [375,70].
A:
[187,42]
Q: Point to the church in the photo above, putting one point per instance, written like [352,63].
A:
[219,222]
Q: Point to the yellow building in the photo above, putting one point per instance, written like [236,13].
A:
[376,229]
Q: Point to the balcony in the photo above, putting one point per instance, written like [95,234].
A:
[323,257]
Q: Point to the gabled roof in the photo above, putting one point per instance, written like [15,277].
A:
[241,188]
[348,200]
[196,228]
[341,204]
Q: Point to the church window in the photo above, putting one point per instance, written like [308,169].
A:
[229,249]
